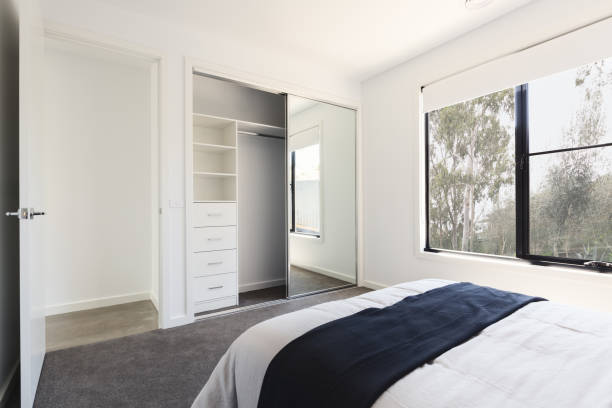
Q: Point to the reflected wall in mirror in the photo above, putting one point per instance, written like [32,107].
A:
[321,212]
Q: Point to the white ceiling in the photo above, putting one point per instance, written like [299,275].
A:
[358,37]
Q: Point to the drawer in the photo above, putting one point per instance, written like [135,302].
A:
[205,306]
[213,238]
[214,214]
[214,287]
[214,262]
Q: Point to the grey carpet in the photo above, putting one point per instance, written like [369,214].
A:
[254,297]
[162,368]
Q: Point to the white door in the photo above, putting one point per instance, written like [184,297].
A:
[31,292]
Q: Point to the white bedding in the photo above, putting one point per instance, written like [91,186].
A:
[543,355]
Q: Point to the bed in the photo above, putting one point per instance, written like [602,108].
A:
[543,355]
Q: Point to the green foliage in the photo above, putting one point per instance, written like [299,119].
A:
[571,214]
[584,233]
[471,160]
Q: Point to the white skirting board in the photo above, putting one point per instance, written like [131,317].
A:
[327,272]
[95,303]
[373,285]
[154,300]
[247,287]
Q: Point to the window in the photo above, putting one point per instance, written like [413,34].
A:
[525,172]
[569,175]
[471,175]
[306,184]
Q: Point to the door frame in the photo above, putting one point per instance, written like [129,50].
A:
[268,84]
[159,238]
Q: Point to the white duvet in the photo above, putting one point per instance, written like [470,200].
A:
[543,355]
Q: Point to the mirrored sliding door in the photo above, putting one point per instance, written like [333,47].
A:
[321,202]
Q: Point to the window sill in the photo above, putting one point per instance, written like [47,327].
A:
[453,257]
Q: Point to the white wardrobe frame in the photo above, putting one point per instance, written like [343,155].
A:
[265,84]
[160,248]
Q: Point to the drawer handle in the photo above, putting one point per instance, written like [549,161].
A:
[214,214]
[214,239]
[215,287]
[215,263]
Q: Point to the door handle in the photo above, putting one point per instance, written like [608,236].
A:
[24,213]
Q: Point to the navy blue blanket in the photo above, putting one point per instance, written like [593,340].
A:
[351,361]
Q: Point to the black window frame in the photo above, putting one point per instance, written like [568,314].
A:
[522,155]
[292,187]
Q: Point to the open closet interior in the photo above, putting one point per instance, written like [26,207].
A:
[272,200]
[238,228]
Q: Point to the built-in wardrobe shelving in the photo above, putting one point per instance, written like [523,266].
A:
[214,159]
[214,214]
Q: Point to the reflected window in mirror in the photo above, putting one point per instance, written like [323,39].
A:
[306,185]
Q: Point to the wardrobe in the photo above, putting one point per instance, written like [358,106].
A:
[271,187]
[238,229]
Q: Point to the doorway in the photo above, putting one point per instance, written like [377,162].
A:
[100,155]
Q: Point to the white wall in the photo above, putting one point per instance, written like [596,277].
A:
[222,56]
[334,253]
[97,178]
[9,196]
[392,185]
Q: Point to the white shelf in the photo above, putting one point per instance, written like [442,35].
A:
[212,148]
[209,130]
[213,174]
[261,129]
[214,159]
[212,122]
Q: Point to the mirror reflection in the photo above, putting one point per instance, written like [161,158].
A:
[321,213]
